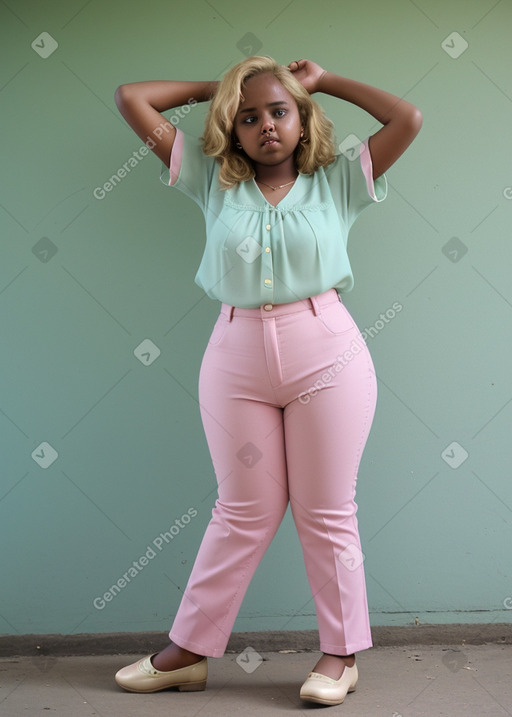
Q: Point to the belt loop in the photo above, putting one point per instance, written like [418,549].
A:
[230,314]
[315,305]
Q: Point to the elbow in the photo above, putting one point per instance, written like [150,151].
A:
[410,123]
[416,120]
[120,95]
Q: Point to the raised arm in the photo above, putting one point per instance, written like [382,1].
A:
[402,121]
[141,104]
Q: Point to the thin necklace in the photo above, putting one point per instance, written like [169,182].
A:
[279,186]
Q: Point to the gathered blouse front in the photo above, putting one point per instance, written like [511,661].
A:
[256,253]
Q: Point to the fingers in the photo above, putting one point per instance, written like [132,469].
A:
[296,65]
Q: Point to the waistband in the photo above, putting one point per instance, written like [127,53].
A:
[266,311]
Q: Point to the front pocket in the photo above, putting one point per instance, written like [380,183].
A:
[218,330]
[336,319]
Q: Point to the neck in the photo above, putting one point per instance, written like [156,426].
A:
[275,175]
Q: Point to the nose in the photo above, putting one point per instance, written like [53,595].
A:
[267,125]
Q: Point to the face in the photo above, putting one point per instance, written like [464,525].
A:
[267,123]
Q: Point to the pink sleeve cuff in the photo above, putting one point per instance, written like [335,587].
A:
[176,155]
[367,167]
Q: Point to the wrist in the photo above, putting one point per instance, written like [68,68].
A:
[206,91]
[319,82]
[211,89]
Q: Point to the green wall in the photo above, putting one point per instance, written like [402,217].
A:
[84,281]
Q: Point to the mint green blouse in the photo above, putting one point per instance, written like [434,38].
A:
[258,254]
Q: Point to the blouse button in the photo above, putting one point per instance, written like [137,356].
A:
[267,249]
[268,282]
[268,227]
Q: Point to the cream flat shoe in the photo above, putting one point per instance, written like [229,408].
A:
[325,690]
[141,676]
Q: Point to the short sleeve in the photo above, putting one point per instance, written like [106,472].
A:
[352,184]
[190,169]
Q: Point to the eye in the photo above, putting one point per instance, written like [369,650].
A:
[280,115]
[249,120]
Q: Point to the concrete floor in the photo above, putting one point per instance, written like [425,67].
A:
[423,681]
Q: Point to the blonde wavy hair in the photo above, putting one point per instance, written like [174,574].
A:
[315,150]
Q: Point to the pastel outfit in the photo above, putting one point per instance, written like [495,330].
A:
[287,392]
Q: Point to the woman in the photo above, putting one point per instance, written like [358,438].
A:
[287,393]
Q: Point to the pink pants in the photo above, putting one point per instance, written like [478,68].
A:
[287,395]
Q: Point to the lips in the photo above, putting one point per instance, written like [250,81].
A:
[269,141]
